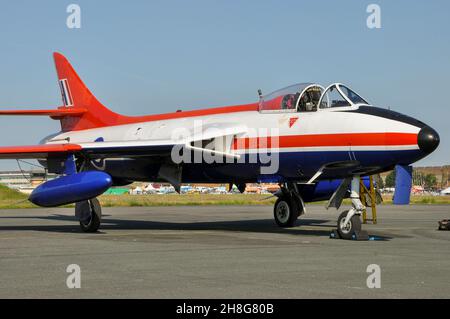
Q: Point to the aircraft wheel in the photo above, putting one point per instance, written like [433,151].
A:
[285,212]
[92,211]
[353,226]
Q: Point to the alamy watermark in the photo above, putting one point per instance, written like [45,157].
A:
[374,19]
[73,21]
[212,144]
[374,279]
[74,279]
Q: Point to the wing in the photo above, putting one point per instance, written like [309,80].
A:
[92,150]
[37,151]
[126,149]
[215,138]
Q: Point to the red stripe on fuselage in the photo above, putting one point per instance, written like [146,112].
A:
[321,140]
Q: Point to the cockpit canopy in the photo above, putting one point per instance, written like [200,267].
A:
[308,97]
[337,95]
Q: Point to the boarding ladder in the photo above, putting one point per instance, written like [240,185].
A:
[369,199]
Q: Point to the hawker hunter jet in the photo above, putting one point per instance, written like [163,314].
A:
[315,142]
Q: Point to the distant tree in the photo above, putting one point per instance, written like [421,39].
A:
[418,178]
[390,179]
[378,181]
[430,181]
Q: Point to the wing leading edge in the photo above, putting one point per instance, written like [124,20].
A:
[53,113]
[37,151]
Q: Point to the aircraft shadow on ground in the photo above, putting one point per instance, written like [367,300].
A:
[251,226]
[254,225]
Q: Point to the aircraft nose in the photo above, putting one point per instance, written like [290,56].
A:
[428,139]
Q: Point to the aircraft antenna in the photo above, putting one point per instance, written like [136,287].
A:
[260,93]
[31,164]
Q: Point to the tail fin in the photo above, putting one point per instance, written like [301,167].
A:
[76,95]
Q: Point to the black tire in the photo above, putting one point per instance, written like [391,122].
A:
[92,224]
[353,226]
[285,212]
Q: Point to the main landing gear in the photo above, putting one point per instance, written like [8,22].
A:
[89,213]
[289,206]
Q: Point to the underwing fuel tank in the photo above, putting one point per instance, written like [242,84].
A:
[71,189]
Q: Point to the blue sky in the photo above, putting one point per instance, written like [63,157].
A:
[143,57]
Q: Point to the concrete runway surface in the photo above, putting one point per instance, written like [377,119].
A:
[221,252]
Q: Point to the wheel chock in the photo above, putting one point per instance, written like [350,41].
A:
[335,234]
[360,236]
[444,224]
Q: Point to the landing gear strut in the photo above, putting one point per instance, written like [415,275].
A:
[349,222]
[289,206]
[90,215]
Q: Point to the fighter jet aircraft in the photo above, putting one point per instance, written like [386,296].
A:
[315,142]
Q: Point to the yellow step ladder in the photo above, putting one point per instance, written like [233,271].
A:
[369,199]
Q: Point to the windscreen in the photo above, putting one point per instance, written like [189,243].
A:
[352,96]
[333,98]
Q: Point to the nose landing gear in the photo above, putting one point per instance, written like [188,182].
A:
[349,222]
[353,226]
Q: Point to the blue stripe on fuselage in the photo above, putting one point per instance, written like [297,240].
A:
[292,166]
[303,165]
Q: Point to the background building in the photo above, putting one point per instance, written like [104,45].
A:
[24,181]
